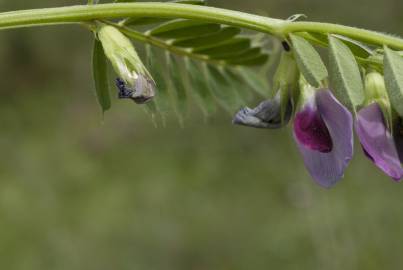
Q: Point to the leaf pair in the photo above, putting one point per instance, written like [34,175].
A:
[345,77]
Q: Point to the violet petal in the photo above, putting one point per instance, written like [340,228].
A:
[328,167]
[377,140]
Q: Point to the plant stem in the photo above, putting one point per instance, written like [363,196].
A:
[76,14]
[366,36]
[276,27]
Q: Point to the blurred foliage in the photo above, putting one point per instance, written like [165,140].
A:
[81,192]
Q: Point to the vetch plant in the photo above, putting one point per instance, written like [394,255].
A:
[226,58]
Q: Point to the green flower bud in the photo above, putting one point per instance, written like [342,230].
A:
[374,87]
[134,81]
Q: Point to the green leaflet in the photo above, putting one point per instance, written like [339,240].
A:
[345,77]
[251,61]
[249,57]
[393,63]
[239,85]
[309,62]
[224,34]
[356,47]
[256,82]
[247,54]
[222,89]
[225,49]
[100,73]
[178,87]
[199,87]
[183,28]
[156,69]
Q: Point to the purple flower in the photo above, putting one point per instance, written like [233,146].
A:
[323,130]
[377,141]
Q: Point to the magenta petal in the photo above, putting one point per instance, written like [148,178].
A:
[377,141]
[328,167]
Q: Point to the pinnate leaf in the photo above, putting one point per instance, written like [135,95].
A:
[199,87]
[222,89]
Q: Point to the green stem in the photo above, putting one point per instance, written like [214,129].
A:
[279,28]
[362,35]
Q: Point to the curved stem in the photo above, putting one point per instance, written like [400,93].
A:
[279,28]
[362,35]
[76,14]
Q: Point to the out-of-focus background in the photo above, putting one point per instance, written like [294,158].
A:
[78,191]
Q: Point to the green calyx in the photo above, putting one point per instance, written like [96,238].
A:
[374,87]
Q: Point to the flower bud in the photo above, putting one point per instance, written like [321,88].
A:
[374,87]
[375,91]
[134,81]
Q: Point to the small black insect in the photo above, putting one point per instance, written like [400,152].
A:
[286,46]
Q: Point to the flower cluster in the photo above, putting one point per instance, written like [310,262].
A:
[323,128]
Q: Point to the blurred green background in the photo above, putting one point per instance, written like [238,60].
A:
[81,192]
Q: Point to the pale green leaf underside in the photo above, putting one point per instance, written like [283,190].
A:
[100,74]
[393,63]
[345,77]
[309,61]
